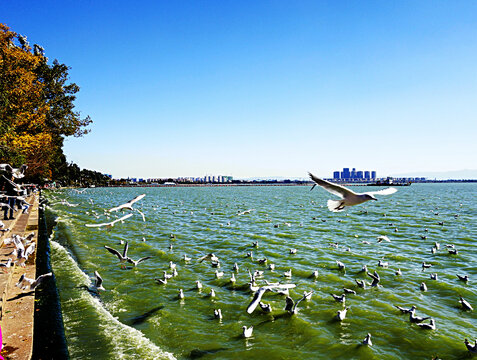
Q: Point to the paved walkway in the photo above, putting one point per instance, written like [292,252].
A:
[18,306]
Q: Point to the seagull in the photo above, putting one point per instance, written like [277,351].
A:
[470,347]
[291,306]
[423,286]
[398,272]
[292,251]
[383,238]
[265,307]
[361,283]
[218,274]
[161,281]
[349,197]
[341,266]
[367,340]
[433,276]
[218,314]
[127,205]
[416,319]
[247,332]
[383,264]
[430,326]
[7,264]
[98,281]
[349,291]
[186,258]
[339,298]
[110,224]
[25,282]
[465,304]
[342,314]
[123,258]
[404,310]
[198,284]
[307,295]
[210,257]
[246,212]
[425,266]
[464,278]
[288,273]
[135,263]
[181,294]
[236,267]
[375,277]
[260,291]
[233,279]
[314,274]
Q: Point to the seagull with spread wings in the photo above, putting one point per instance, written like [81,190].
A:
[127,205]
[348,197]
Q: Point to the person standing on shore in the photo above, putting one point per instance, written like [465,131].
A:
[11,193]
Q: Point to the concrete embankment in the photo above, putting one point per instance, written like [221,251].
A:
[30,320]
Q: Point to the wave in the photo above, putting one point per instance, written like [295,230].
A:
[91,331]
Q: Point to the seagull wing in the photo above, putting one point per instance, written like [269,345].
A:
[137,198]
[114,252]
[387,191]
[142,214]
[99,280]
[256,299]
[38,280]
[125,251]
[143,259]
[289,304]
[335,189]
[97,225]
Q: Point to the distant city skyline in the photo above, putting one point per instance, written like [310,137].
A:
[264,89]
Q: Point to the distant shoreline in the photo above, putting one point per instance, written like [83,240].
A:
[280,184]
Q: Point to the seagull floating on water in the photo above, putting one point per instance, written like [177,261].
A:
[430,326]
[465,304]
[367,340]
[470,347]
[349,197]
[342,314]
[247,332]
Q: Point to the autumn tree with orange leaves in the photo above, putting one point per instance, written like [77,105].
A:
[36,108]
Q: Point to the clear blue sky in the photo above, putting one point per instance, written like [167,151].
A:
[264,88]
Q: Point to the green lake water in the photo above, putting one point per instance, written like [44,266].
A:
[135,318]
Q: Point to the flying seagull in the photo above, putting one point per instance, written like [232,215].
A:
[348,197]
[110,224]
[127,205]
[98,282]
[123,258]
[25,282]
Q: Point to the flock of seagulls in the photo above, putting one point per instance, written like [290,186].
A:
[291,307]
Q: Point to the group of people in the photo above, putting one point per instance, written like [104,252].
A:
[13,195]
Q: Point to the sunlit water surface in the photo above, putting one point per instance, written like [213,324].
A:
[137,318]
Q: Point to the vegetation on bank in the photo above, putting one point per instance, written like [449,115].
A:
[37,113]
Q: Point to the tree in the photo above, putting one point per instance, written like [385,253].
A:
[36,107]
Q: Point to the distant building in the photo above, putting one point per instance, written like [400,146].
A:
[359,175]
[373,174]
[336,175]
[345,174]
[367,175]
